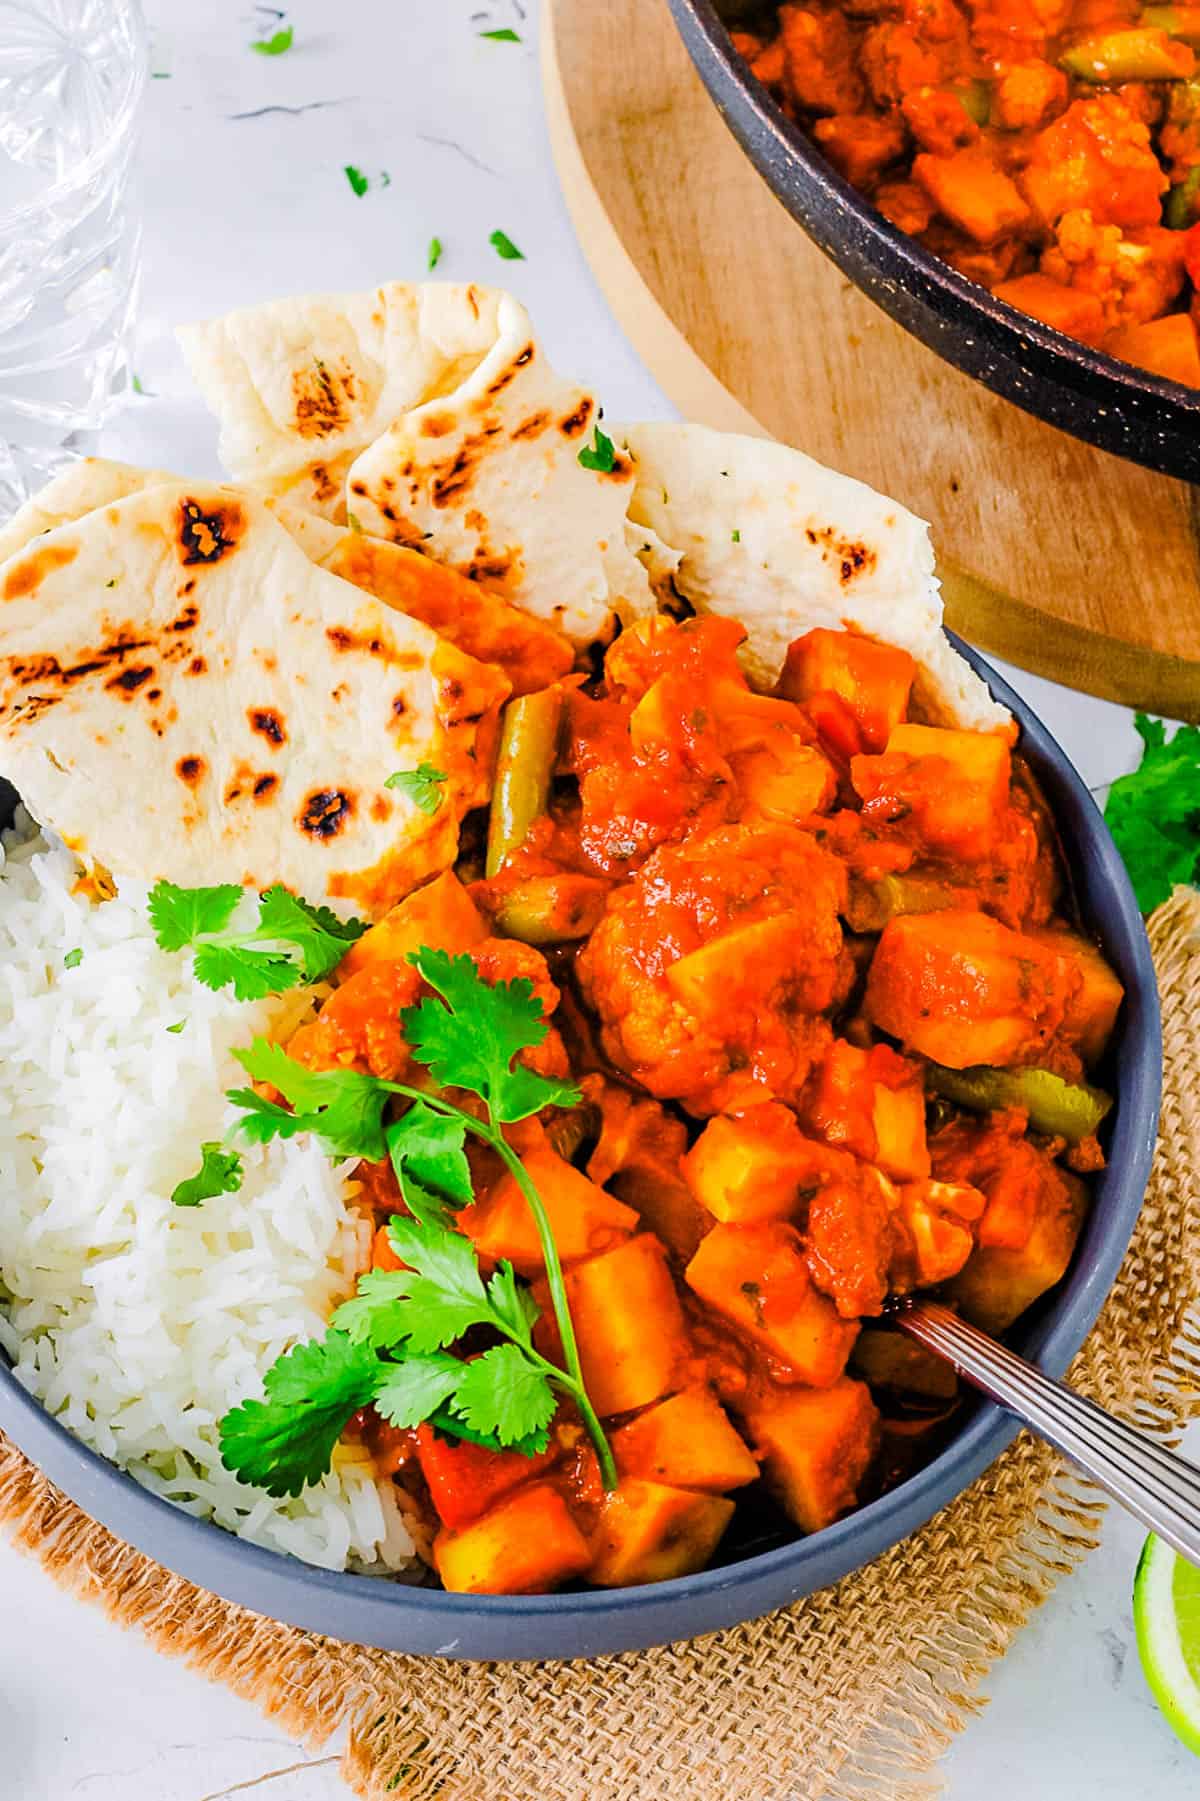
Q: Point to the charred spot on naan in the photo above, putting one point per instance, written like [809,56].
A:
[191,770]
[323,399]
[268,723]
[852,557]
[26,575]
[325,812]
[205,537]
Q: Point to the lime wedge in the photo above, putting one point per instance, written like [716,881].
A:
[1166,1614]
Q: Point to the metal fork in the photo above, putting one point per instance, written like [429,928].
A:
[1157,1486]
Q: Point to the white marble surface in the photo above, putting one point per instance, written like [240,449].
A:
[243,208]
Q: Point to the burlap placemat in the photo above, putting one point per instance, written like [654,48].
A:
[851,1694]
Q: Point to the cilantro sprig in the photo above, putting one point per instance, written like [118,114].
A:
[1154,813]
[293,941]
[467,1035]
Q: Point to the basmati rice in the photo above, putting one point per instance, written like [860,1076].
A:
[135,1322]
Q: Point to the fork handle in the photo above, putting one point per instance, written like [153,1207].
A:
[1157,1486]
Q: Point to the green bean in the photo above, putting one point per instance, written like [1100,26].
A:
[1141,53]
[1177,21]
[1070,1110]
[1181,205]
[524,768]
[550,909]
[873,904]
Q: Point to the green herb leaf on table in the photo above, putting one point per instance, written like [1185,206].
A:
[503,245]
[505,36]
[599,455]
[276,44]
[286,1441]
[357,179]
[434,256]
[422,785]
[1154,813]
[220,1172]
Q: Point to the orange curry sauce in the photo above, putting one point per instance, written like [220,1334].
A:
[1048,149]
[765,915]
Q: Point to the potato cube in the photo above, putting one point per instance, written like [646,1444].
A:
[962,989]
[1092,1010]
[585,1220]
[647,1532]
[686,1441]
[949,788]
[441,915]
[524,1546]
[758,1278]
[872,1103]
[998,1283]
[873,679]
[755,1165]
[931,1232]
[816,1446]
[628,1322]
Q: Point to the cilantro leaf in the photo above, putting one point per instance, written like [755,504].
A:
[443,1286]
[220,1172]
[429,1147]
[343,1107]
[505,36]
[505,1393]
[503,245]
[73,958]
[434,256]
[358,181]
[1154,813]
[470,1037]
[286,1441]
[180,915]
[376,1315]
[251,974]
[410,1391]
[513,1305]
[599,454]
[276,44]
[321,938]
[422,785]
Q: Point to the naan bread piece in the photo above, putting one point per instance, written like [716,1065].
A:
[469,441]
[528,651]
[775,540]
[76,490]
[184,694]
[531,653]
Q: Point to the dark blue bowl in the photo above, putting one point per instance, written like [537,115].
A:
[396,1617]
[1093,396]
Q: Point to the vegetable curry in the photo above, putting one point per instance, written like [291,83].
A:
[1050,151]
[813,1031]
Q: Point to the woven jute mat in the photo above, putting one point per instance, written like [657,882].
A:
[851,1694]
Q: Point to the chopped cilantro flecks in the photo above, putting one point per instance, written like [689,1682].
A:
[220,1172]
[503,245]
[434,256]
[276,44]
[422,785]
[505,36]
[357,179]
[1154,813]
[736,535]
[599,454]
[73,959]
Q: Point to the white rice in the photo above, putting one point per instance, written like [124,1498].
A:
[135,1322]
